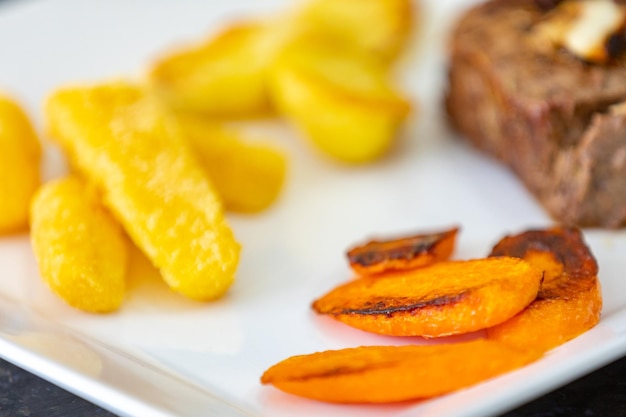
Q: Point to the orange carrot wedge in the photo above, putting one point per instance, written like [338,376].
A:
[569,301]
[378,256]
[381,374]
[443,299]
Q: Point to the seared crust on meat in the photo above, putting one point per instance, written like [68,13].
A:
[542,111]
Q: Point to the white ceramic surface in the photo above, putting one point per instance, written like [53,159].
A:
[164,356]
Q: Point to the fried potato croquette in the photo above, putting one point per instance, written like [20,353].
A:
[20,158]
[382,374]
[81,250]
[569,300]
[124,142]
[224,76]
[247,175]
[378,27]
[379,256]
[442,299]
[340,99]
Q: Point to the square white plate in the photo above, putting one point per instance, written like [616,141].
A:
[165,356]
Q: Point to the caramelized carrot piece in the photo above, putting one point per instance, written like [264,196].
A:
[569,301]
[378,256]
[380,374]
[446,298]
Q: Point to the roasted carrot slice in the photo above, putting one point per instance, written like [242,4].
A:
[570,299]
[411,252]
[446,298]
[380,374]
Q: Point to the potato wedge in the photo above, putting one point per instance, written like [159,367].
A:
[125,143]
[379,256]
[224,76]
[247,175]
[569,300]
[82,252]
[378,27]
[20,158]
[340,99]
[442,299]
[382,374]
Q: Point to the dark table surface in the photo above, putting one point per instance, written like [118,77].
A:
[600,394]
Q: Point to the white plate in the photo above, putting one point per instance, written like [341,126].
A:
[165,356]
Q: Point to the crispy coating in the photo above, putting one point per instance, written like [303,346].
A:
[446,298]
[126,144]
[222,76]
[340,99]
[570,299]
[381,374]
[20,157]
[247,175]
[81,250]
[379,27]
[226,74]
[379,256]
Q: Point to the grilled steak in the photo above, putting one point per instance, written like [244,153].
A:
[546,113]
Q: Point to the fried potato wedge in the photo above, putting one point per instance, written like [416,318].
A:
[379,27]
[340,99]
[247,175]
[81,250]
[382,374]
[223,76]
[20,158]
[446,298]
[570,299]
[124,142]
[379,256]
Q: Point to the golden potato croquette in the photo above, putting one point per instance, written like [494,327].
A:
[20,158]
[125,143]
[247,175]
[80,248]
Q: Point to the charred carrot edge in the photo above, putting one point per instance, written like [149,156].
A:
[570,299]
[381,374]
[379,256]
[446,298]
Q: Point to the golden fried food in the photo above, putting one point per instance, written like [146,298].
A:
[124,142]
[340,99]
[569,300]
[20,158]
[382,374]
[247,175]
[81,250]
[379,256]
[379,27]
[446,298]
[223,76]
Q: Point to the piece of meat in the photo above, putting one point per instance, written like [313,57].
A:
[592,175]
[542,111]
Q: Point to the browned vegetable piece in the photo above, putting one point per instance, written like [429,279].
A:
[380,374]
[378,256]
[446,298]
[570,299]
